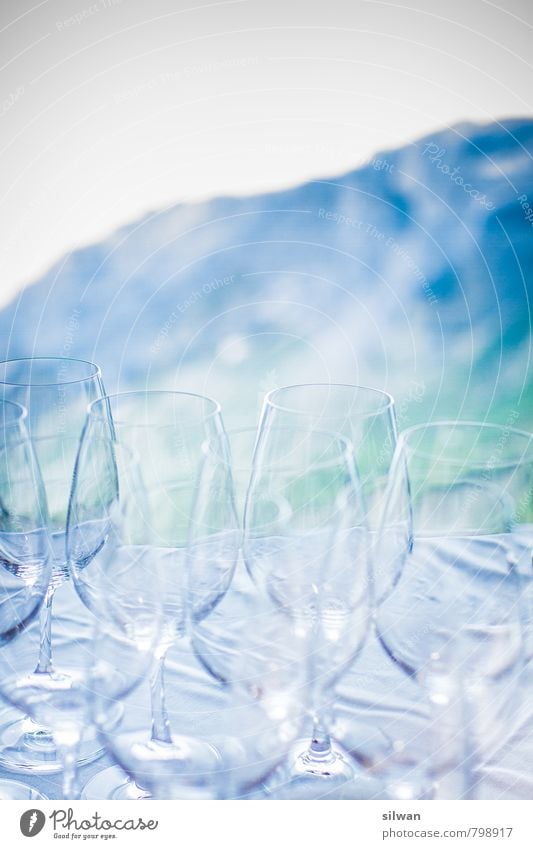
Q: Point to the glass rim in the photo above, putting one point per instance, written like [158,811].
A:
[458,424]
[386,398]
[98,403]
[95,373]
[21,410]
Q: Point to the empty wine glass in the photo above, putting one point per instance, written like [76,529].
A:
[363,415]
[55,392]
[214,533]
[452,607]
[167,430]
[306,546]
[101,658]
[249,708]
[259,652]
[114,654]
[25,551]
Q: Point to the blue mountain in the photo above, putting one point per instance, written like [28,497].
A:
[413,273]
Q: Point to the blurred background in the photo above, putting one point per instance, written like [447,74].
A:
[233,196]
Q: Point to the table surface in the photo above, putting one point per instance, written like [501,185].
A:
[374,704]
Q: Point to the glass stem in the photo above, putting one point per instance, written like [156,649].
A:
[452,754]
[470,758]
[161,732]
[44,664]
[320,750]
[68,752]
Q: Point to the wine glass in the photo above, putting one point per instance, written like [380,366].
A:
[363,415]
[249,707]
[451,611]
[214,531]
[366,417]
[259,652]
[167,430]
[101,657]
[25,551]
[237,452]
[306,547]
[55,392]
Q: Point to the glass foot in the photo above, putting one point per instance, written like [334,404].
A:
[113,783]
[27,747]
[10,790]
[185,768]
[334,775]
[333,764]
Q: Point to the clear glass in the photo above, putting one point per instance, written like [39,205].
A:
[453,564]
[168,432]
[114,654]
[103,657]
[366,417]
[25,550]
[238,452]
[307,548]
[56,392]
[363,415]
[214,534]
[249,708]
[259,652]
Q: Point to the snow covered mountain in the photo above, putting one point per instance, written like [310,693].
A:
[413,273]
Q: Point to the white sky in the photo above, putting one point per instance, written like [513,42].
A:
[135,105]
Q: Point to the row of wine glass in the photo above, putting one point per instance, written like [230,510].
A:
[346,530]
